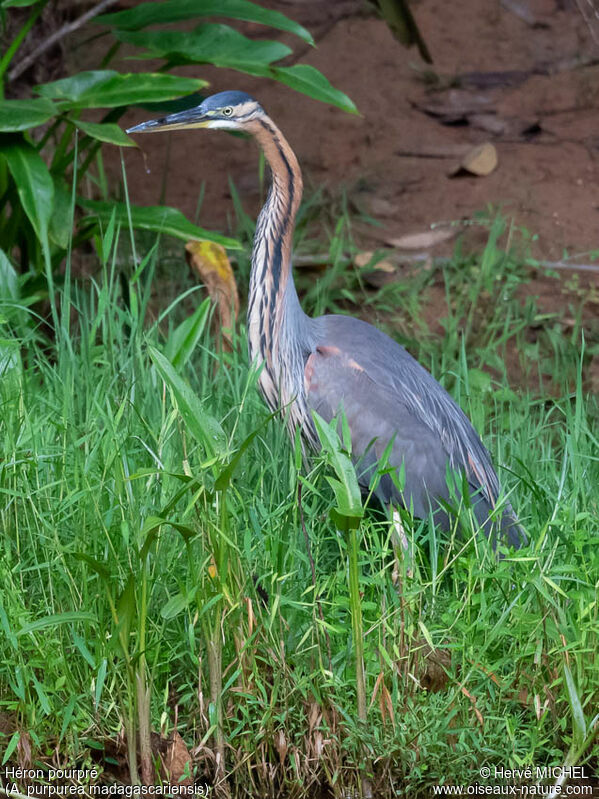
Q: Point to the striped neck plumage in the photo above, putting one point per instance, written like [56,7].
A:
[272,296]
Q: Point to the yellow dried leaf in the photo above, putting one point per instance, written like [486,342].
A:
[480,160]
[209,261]
[362,259]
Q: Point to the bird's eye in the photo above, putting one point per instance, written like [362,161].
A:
[228,111]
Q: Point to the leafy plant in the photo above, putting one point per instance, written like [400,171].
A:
[48,148]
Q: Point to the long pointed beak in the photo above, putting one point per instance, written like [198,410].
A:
[190,118]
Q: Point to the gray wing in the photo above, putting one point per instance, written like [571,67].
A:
[386,395]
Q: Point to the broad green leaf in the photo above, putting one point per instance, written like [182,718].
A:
[10,636]
[479,381]
[81,645]
[9,355]
[346,487]
[67,715]
[158,218]
[175,605]
[107,132]
[34,185]
[9,287]
[152,527]
[204,427]
[100,680]
[579,727]
[223,481]
[11,746]
[308,80]
[77,86]
[146,14]
[41,695]
[126,611]
[110,89]
[300,77]
[184,339]
[61,222]
[207,44]
[55,620]
[100,568]
[23,114]
[17,3]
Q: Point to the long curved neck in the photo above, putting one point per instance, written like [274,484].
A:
[273,307]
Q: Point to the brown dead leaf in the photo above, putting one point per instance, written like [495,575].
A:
[491,123]
[385,701]
[177,762]
[378,206]
[507,126]
[495,79]
[281,745]
[362,259]
[318,743]
[480,160]
[477,713]
[455,105]
[209,261]
[423,241]
[24,750]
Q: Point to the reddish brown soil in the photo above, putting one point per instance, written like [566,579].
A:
[547,182]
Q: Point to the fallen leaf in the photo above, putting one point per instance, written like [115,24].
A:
[496,79]
[491,123]
[378,206]
[209,261]
[363,259]
[424,240]
[455,105]
[281,745]
[177,762]
[480,160]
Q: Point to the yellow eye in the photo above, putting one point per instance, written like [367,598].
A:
[228,111]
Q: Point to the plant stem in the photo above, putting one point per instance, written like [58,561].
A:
[356,619]
[131,733]
[17,41]
[358,634]
[142,686]
[216,684]
[50,41]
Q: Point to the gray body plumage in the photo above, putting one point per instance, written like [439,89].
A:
[387,396]
[339,363]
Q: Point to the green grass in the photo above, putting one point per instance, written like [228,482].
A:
[143,583]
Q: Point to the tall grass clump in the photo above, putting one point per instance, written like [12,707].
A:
[155,573]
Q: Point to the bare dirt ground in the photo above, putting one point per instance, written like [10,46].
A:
[520,74]
[529,86]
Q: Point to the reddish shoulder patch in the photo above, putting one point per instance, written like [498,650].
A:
[309,372]
[328,351]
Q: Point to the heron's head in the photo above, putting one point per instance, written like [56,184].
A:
[225,110]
